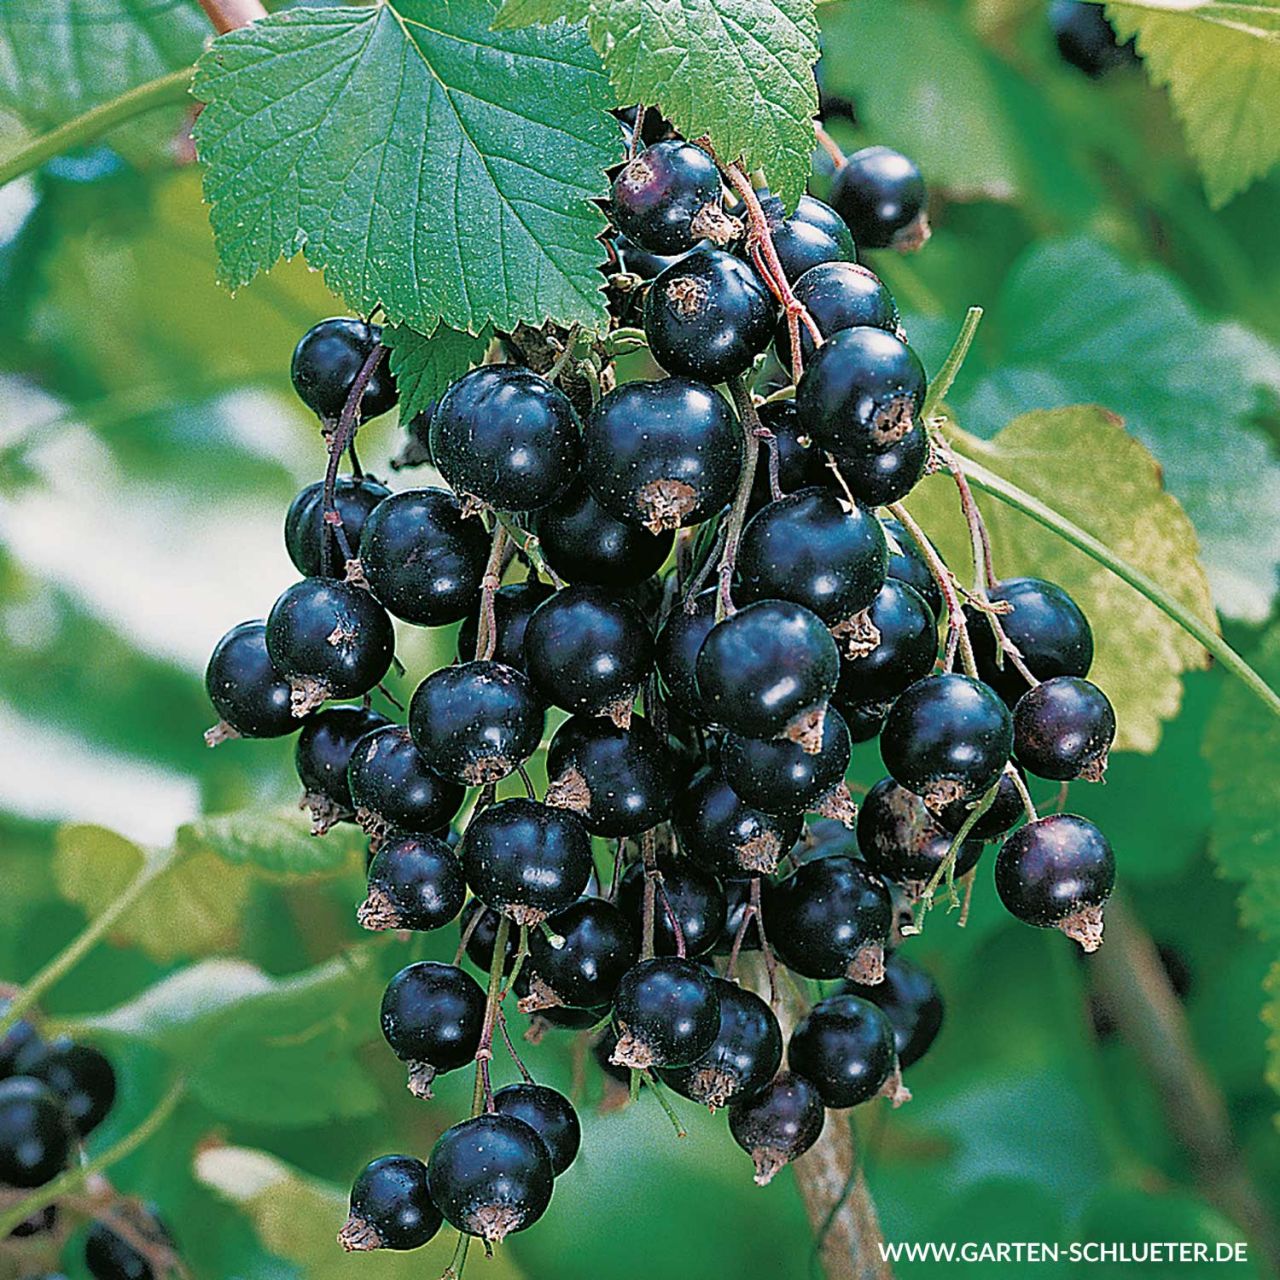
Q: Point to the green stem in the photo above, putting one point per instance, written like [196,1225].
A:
[1020,500]
[951,366]
[75,1178]
[162,92]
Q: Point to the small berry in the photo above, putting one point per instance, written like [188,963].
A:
[864,720]
[1063,730]
[666,1013]
[109,1256]
[686,891]
[813,235]
[583,543]
[678,644]
[798,465]
[13,1041]
[392,788]
[415,882]
[391,1207]
[737,894]
[888,475]
[778,1124]
[881,196]
[431,1017]
[837,295]
[720,831]
[549,1114]
[326,362]
[36,1134]
[668,198]
[906,651]
[79,1074]
[1005,811]
[598,946]
[513,606]
[908,565]
[910,999]
[638,262]
[252,698]
[323,757]
[1086,39]
[307,537]
[844,1047]
[482,933]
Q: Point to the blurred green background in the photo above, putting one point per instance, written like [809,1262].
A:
[149,445]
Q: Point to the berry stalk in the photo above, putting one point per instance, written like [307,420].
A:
[750,421]
[482,1093]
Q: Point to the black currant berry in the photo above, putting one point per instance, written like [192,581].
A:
[666,1013]
[737,894]
[587,651]
[325,364]
[250,696]
[831,919]
[910,999]
[877,479]
[323,757]
[583,543]
[864,720]
[109,1256]
[392,788]
[908,565]
[900,839]
[431,1016]
[331,639]
[477,722]
[679,643]
[619,781]
[861,392]
[947,737]
[513,606]
[415,882]
[811,236]
[525,859]
[80,1075]
[391,1207]
[720,831]
[708,316]
[309,540]
[638,262]
[809,548]
[881,196]
[1051,633]
[13,1041]
[1063,729]
[560,1017]
[668,198]
[491,1176]
[837,295]
[692,895]
[767,671]
[422,558]
[662,455]
[598,946]
[1005,810]
[798,465]
[778,1124]
[506,437]
[844,1047]
[906,652]
[479,926]
[549,1114]
[742,1059]
[36,1135]
[1086,39]
[1056,873]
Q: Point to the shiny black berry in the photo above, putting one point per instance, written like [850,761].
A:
[476,722]
[664,454]
[431,1017]
[778,1124]
[549,1114]
[251,697]
[587,651]
[109,1256]
[908,565]
[513,606]
[415,882]
[722,832]
[905,652]
[422,558]
[325,364]
[323,756]
[888,475]
[668,197]
[392,788]
[1004,812]
[881,196]
[900,839]
[861,392]
[844,1047]
[583,543]
[311,543]
[79,1074]
[638,262]
[666,1013]
[690,893]
[1056,874]
[864,720]
[505,436]
[1086,39]
[737,894]
[948,736]
[599,945]
[36,1134]
[838,295]
[1063,729]
[491,1176]
[814,234]
[798,465]
[391,1207]
[910,999]
[678,645]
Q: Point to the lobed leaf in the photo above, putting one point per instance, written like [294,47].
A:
[275,841]
[425,365]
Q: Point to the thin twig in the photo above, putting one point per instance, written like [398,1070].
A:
[829,145]
[750,422]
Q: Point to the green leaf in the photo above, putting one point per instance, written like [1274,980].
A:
[425,365]
[523,13]
[1083,463]
[423,162]
[1221,65]
[274,841]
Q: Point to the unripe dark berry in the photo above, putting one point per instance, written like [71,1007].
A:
[549,1114]
[888,475]
[415,882]
[36,1135]
[513,606]
[693,895]
[844,1047]
[837,295]
[905,652]
[668,198]
[1063,730]
[908,565]
[910,999]
[392,788]
[814,234]
[391,1207]
[720,831]
[599,946]
[778,1124]
[666,1013]
[881,196]
[583,543]
[1005,811]
[323,757]
[679,643]
[326,362]
[78,1074]
[250,695]
[311,543]
[431,1017]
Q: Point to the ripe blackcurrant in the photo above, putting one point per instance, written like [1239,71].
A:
[837,295]
[415,882]
[677,649]
[331,639]
[1005,810]
[881,196]
[1056,873]
[477,722]
[861,392]
[491,1176]
[798,465]
[392,788]
[1086,39]
[668,198]
[325,364]
[513,606]
[638,262]
[906,651]
[422,558]
[1063,729]
[908,565]
[813,235]
[479,926]
[79,1074]
[619,781]
[599,946]
[693,895]
[431,1016]
[864,720]
[720,831]
[844,1047]
[391,1207]
[583,543]
[947,737]
[308,539]
[742,1059]
[737,895]
[877,479]
[831,919]
[910,999]
[587,651]
[109,1256]
[36,1134]
[525,859]
[248,693]
[549,1114]
[507,437]
[662,454]
[778,1124]
[323,756]
[666,1013]
[768,670]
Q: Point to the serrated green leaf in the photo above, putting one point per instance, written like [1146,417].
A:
[423,162]
[425,365]
[1221,65]
[274,841]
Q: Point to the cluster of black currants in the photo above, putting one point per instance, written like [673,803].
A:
[700,592]
[53,1094]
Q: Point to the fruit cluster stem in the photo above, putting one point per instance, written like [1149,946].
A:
[750,422]
[481,1094]
[227,15]
[487,630]
[340,438]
